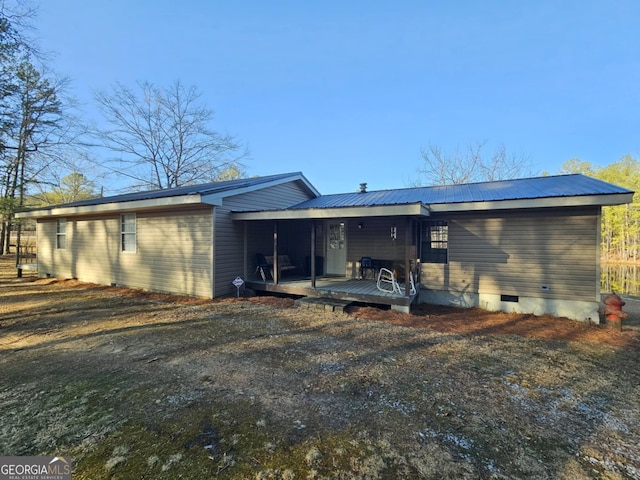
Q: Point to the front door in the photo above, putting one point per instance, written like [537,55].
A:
[336,253]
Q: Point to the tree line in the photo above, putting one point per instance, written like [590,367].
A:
[620,233]
[154,137]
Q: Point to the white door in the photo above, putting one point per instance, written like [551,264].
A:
[336,253]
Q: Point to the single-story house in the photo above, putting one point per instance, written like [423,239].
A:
[526,245]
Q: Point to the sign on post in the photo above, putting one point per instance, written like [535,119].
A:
[238,282]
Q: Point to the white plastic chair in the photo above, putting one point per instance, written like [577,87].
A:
[387,281]
[413,285]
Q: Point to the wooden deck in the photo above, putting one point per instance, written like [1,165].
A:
[339,288]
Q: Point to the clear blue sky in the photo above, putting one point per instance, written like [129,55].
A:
[350,91]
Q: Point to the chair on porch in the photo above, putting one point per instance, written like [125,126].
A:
[413,284]
[366,263]
[262,267]
[387,282]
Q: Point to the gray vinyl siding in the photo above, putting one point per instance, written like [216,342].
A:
[53,262]
[231,260]
[374,240]
[229,251]
[543,254]
[173,251]
[279,196]
[177,250]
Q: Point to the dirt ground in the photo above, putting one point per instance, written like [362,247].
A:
[133,384]
[478,321]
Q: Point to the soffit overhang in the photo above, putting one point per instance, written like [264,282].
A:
[421,210]
[522,204]
[115,207]
[214,197]
[414,210]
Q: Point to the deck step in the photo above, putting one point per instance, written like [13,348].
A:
[324,304]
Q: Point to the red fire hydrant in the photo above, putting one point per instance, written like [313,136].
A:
[613,310]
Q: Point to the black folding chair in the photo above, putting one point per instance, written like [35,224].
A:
[366,263]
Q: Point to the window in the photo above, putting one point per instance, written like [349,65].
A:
[128,232]
[61,233]
[435,242]
[336,236]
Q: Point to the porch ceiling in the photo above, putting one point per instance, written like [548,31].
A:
[413,209]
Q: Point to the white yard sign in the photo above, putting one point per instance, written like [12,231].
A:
[238,282]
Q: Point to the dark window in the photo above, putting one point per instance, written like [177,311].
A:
[435,242]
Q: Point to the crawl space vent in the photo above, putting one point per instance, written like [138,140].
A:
[509,298]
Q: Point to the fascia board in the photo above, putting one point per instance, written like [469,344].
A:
[415,209]
[578,201]
[112,207]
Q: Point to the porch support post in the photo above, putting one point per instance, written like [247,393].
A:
[407,260]
[275,254]
[245,267]
[313,254]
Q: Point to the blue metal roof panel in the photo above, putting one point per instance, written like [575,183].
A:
[203,189]
[528,188]
[516,189]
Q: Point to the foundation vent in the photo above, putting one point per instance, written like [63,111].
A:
[509,298]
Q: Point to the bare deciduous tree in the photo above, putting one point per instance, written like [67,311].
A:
[469,165]
[162,136]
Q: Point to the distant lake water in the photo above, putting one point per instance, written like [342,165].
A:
[620,278]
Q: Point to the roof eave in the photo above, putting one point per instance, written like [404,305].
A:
[215,199]
[414,209]
[575,201]
[136,205]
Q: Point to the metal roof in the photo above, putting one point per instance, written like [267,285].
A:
[574,185]
[229,186]
[552,191]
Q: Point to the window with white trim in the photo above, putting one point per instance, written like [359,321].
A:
[61,233]
[128,232]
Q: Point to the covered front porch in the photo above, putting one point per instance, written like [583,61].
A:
[338,288]
[321,254]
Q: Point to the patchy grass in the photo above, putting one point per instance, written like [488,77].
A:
[138,385]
